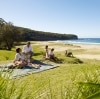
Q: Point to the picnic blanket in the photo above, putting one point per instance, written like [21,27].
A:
[15,73]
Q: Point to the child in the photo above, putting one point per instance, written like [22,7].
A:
[52,56]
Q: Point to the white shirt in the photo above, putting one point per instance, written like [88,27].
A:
[51,53]
[27,49]
[18,57]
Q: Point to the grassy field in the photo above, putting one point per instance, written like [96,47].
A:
[72,80]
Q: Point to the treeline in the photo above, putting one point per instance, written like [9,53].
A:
[33,35]
[11,35]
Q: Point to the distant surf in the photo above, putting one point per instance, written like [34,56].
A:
[92,41]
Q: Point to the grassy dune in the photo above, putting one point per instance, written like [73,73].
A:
[72,80]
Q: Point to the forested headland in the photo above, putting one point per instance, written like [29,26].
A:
[10,35]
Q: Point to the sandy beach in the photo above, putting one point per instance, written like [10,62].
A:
[81,51]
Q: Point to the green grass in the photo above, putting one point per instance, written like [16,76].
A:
[72,80]
[69,81]
[7,55]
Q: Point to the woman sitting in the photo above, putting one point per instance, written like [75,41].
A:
[19,60]
[47,52]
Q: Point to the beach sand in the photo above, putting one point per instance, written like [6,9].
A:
[81,51]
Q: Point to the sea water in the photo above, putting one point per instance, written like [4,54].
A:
[93,41]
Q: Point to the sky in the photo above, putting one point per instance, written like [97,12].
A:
[80,17]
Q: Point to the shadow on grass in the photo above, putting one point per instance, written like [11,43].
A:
[73,60]
[39,62]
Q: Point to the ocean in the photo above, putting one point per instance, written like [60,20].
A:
[92,41]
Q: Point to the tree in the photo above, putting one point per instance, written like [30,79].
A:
[8,35]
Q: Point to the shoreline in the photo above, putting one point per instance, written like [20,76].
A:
[81,51]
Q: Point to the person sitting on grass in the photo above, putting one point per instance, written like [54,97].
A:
[52,56]
[69,54]
[47,52]
[19,62]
